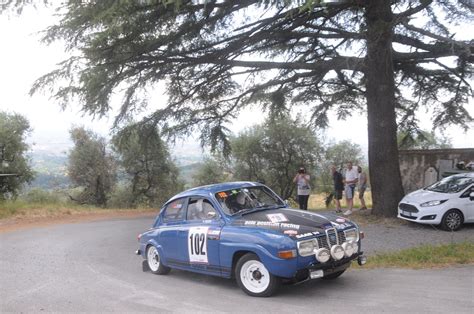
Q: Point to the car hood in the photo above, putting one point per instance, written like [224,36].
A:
[421,196]
[292,222]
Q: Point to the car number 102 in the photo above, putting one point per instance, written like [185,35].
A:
[197,244]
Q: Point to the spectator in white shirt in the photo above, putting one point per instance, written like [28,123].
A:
[350,181]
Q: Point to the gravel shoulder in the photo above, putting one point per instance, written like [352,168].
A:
[382,238]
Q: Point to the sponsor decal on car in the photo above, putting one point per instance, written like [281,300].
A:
[282,225]
[213,234]
[176,204]
[277,217]
[307,234]
[328,226]
[341,225]
[290,232]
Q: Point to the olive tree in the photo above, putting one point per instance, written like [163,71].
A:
[15,168]
[213,169]
[151,172]
[273,152]
[91,167]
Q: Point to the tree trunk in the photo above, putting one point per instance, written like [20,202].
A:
[385,176]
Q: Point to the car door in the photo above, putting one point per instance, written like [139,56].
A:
[172,218]
[466,205]
[199,237]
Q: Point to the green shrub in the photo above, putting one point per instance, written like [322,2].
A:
[40,196]
[121,197]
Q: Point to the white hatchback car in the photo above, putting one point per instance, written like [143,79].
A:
[449,203]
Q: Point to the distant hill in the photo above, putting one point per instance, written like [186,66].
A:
[186,172]
[51,170]
[50,165]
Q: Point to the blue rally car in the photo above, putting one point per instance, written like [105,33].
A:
[245,230]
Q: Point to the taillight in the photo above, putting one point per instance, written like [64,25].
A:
[138,237]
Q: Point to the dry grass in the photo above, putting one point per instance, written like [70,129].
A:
[20,215]
[24,210]
[362,217]
[426,256]
[317,201]
[21,209]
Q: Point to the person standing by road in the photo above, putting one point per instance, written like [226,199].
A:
[351,178]
[338,187]
[362,187]
[303,188]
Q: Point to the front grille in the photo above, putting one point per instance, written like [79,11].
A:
[331,236]
[329,239]
[342,237]
[322,242]
[408,208]
[408,217]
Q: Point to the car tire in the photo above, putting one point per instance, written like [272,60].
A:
[334,275]
[154,261]
[452,220]
[254,278]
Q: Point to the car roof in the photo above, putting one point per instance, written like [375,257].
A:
[206,190]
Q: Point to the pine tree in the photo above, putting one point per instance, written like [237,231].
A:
[388,58]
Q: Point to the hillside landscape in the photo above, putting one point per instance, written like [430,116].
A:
[50,164]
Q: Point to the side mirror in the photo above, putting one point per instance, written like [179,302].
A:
[471,196]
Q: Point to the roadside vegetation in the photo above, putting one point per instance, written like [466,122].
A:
[135,169]
[41,204]
[425,256]
[25,210]
[317,201]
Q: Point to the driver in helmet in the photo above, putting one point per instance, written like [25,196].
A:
[238,202]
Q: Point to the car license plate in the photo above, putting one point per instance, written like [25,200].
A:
[406,213]
[316,274]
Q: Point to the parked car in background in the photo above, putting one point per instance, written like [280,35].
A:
[244,230]
[448,203]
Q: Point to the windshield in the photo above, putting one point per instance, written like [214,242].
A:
[453,184]
[248,198]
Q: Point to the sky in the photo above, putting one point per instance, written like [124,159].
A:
[23,59]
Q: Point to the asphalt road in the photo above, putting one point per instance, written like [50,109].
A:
[91,267]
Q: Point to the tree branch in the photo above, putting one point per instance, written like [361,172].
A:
[337,63]
[413,10]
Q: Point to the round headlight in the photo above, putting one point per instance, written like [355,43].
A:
[323,255]
[348,248]
[337,252]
